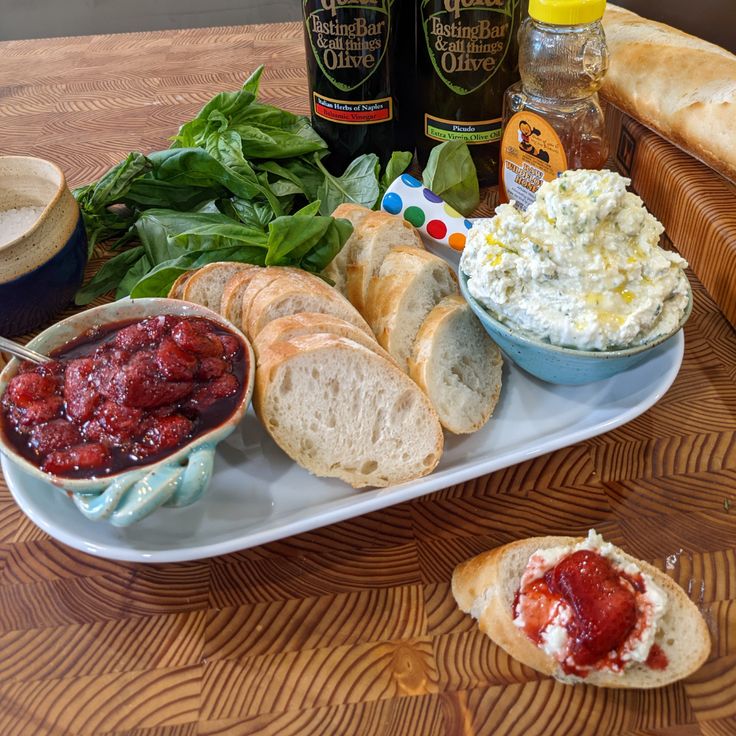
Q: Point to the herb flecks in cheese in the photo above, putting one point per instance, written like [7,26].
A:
[580,268]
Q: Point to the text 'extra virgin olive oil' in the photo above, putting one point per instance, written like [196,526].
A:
[350,48]
[467,55]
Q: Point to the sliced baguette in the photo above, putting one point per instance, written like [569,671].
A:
[177,288]
[336,268]
[378,235]
[486,586]
[409,284]
[231,303]
[457,365]
[286,297]
[206,284]
[340,410]
[313,323]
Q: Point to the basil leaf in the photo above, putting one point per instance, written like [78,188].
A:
[109,276]
[450,174]
[396,166]
[358,185]
[309,241]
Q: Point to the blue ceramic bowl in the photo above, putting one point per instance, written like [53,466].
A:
[178,479]
[41,263]
[555,364]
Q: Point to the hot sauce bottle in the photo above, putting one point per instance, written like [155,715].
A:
[466,58]
[351,50]
[552,118]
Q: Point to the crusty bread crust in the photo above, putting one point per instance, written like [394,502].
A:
[177,288]
[231,303]
[336,268]
[201,280]
[495,576]
[679,85]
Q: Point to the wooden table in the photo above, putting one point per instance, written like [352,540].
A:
[351,629]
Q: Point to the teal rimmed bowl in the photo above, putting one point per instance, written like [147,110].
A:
[180,478]
[555,364]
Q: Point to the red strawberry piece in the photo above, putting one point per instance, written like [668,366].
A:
[210,368]
[174,363]
[43,410]
[122,423]
[604,607]
[134,337]
[164,433]
[79,457]
[55,435]
[230,345]
[80,394]
[26,388]
[189,335]
[221,387]
[158,327]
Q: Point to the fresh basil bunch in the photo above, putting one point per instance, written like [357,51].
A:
[243,181]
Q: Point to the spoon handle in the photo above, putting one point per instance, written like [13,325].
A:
[8,346]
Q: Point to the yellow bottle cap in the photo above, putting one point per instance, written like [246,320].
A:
[567,12]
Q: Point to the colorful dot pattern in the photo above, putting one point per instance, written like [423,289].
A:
[427,212]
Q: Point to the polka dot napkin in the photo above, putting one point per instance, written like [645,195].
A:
[433,217]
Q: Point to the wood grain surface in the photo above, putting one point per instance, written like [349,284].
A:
[350,629]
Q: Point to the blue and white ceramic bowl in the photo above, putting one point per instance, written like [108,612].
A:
[177,480]
[42,265]
[554,364]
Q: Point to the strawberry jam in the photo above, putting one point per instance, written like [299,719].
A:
[597,605]
[124,394]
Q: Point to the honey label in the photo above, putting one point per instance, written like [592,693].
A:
[349,38]
[531,153]
[467,40]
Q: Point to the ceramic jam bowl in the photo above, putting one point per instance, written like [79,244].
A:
[42,265]
[555,364]
[180,478]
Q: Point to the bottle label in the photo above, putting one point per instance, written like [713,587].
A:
[365,112]
[349,38]
[476,133]
[467,40]
[531,153]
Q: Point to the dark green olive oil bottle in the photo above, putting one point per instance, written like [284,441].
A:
[351,50]
[467,55]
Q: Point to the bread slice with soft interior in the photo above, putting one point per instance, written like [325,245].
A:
[177,288]
[231,302]
[342,411]
[206,284]
[409,284]
[457,365]
[486,586]
[336,268]
[378,234]
[314,323]
[290,296]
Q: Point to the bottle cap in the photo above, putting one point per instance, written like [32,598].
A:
[567,12]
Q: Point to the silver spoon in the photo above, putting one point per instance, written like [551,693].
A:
[8,346]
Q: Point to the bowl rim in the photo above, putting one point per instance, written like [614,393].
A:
[531,341]
[215,434]
[58,194]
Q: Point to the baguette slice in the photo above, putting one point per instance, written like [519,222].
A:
[286,297]
[313,323]
[336,268]
[177,288]
[341,411]
[206,284]
[457,365]
[231,303]
[486,586]
[378,234]
[409,285]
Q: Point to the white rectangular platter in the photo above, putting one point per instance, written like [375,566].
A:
[258,494]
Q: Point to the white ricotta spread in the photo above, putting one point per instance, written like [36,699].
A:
[651,604]
[580,268]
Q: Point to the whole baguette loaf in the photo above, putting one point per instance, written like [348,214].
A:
[486,586]
[682,87]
